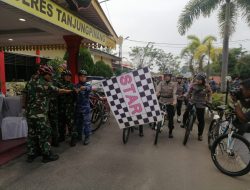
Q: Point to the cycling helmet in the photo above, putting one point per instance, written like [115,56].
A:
[66,73]
[45,69]
[82,72]
[179,77]
[167,72]
[201,76]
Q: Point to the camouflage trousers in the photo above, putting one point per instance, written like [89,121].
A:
[53,121]
[66,119]
[39,133]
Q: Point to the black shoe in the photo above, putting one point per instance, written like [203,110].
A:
[141,134]
[73,142]
[61,139]
[170,134]
[199,138]
[31,158]
[182,126]
[55,144]
[86,141]
[49,158]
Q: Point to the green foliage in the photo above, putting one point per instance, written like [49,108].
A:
[85,61]
[102,69]
[243,67]
[218,99]
[56,64]
[119,71]
[235,55]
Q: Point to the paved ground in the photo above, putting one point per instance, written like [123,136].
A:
[107,164]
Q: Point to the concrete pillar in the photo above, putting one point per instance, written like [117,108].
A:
[73,44]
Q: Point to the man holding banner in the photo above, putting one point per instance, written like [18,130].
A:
[166,91]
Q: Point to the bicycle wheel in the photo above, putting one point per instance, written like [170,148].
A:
[106,114]
[188,125]
[96,118]
[213,132]
[125,134]
[157,131]
[235,162]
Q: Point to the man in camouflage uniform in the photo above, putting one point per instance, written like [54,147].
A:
[180,96]
[67,107]
[166,90]
[39,131]
[53,115]
[83,111]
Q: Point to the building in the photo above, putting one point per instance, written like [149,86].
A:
[47,26]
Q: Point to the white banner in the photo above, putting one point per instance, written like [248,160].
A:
[132,98]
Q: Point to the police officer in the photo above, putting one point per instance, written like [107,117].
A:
[166,90]
[39,130]
[83,111]
[180,96]
[67,106]
[198,94]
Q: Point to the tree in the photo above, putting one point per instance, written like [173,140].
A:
[167,61]
[56,65]
[144,56]
[242,68]
[102,69]
[229,10]
[85,61]
[197,51]
[235,54]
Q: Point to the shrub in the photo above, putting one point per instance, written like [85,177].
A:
[102,69]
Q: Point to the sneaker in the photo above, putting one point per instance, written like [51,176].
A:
[49,158]
[178,119]
[86,141]
[199,138]
[141,134]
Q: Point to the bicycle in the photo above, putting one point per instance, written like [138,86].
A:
[100,110]
[231,152]
[220,123]
[160,125]
[190,121]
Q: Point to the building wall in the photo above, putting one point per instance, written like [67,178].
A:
[51,54]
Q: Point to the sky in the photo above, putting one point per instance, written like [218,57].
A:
[156,21]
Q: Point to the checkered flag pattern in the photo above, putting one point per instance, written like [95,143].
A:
[132,98]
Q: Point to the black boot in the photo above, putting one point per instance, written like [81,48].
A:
[73,141]
[170,134]
[61,138]
[49,158]
[31,158]
[55,144]
[141,131]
